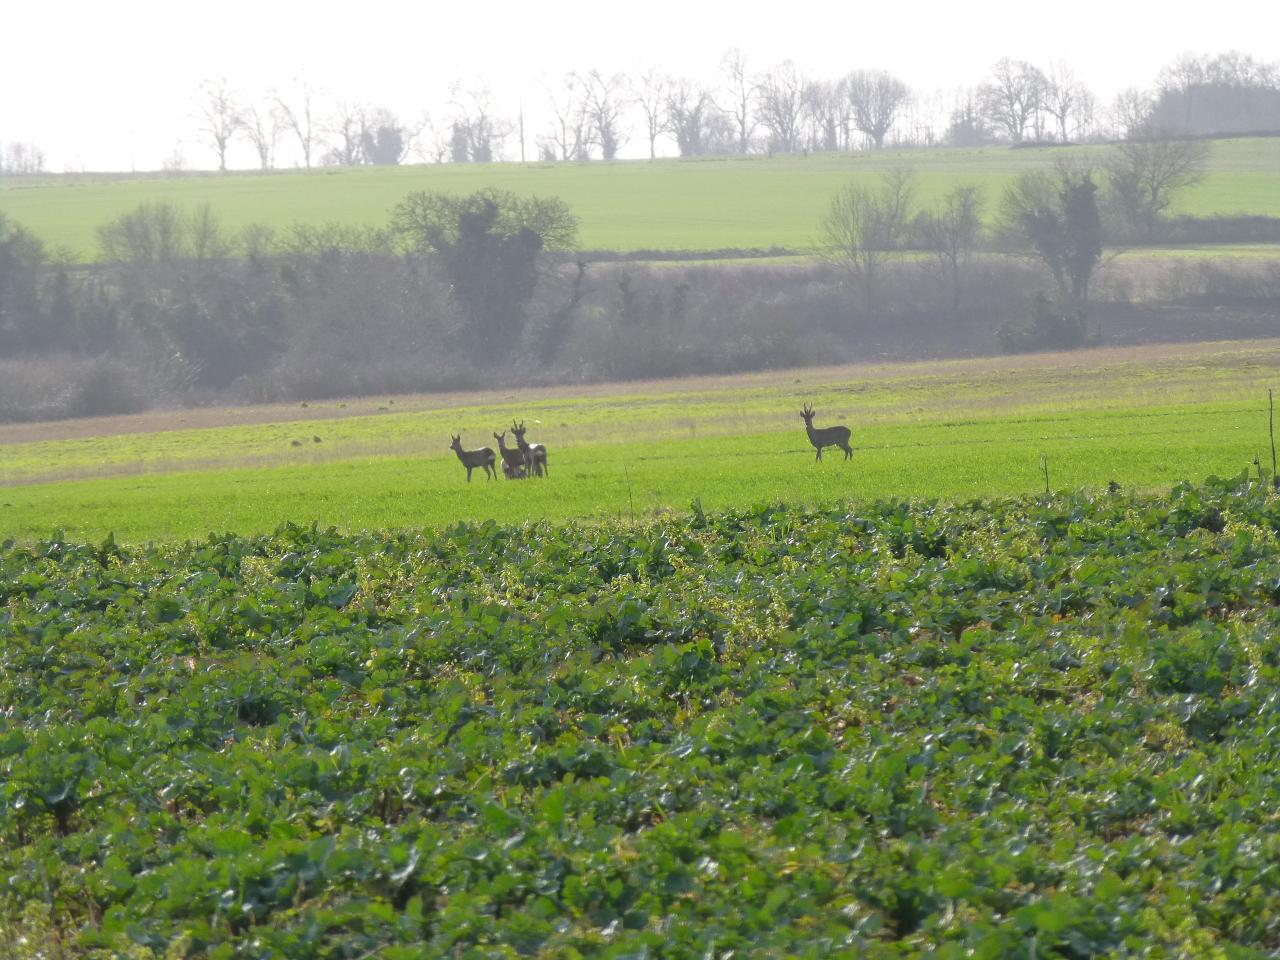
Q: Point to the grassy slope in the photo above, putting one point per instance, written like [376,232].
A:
[696,205]
[955,430]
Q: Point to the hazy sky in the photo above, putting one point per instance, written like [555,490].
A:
[111,85]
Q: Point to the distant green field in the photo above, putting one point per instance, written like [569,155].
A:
[626,206]
[954,430]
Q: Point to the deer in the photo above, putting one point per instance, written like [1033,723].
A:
[474,458]
[535,454]
[513,465]
[825,436]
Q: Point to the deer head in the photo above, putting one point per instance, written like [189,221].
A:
[457,442]
[807,413]
[517,429]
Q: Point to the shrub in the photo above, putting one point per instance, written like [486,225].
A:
[59,387]
[1048,328]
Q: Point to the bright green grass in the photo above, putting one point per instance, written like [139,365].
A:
[629,205]
[953,430]
[1152,448]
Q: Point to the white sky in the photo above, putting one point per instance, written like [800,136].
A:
[102,86]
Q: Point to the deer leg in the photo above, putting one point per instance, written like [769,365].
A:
[819,456]
[468,474]
[848,452]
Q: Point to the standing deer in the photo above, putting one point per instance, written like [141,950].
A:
[825,436]
[513,466]
[474,458]
[535,454]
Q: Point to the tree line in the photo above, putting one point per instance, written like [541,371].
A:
[594,114]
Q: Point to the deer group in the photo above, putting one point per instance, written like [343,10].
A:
[527,459]
[523,460]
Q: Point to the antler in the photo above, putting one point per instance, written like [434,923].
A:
[808,410]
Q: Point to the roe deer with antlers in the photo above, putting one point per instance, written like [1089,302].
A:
[513,465]
[825,436]
[475,458]
[535,454]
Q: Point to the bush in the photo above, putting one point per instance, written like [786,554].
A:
[1048,328]
[60,387]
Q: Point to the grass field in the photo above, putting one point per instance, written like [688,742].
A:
[953,430]
[632,205]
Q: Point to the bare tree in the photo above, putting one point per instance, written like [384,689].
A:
[1238,69]
[1144,175]
[1013,96]
[828,113]
[1131,113]
[877,98]
[864,226]
[688,116]
[218,117]
[261,127]
[22,158]
[649,93]
[1065,98]
[924,116]
[346,129]
[740,95]
[1185,72]
[1086,115]
[569,138]
[299,118]
[782,106]
[176,161]
[433,141]
[605,102]
[951,230]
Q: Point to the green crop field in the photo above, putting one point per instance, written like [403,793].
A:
[1145,418]
[1042,727]
[755,202]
